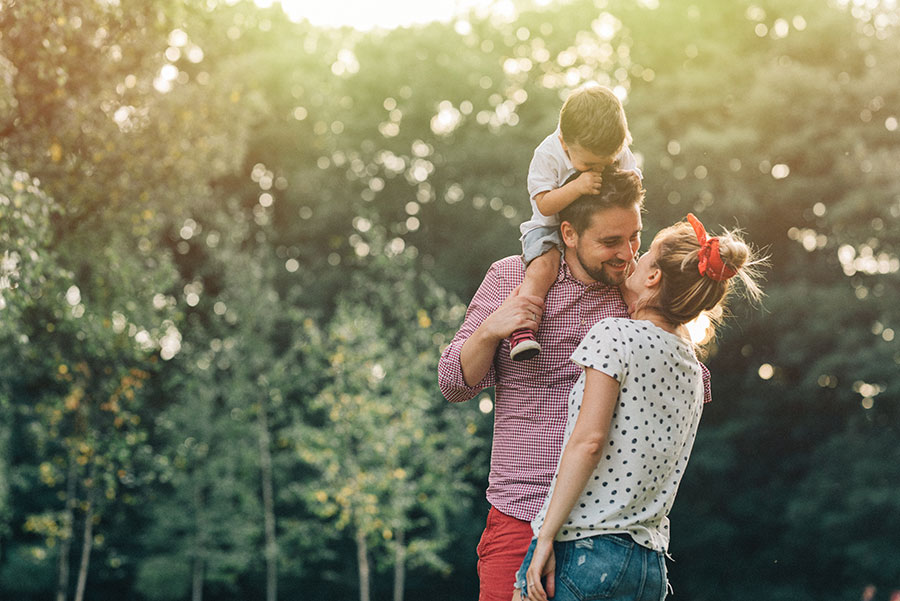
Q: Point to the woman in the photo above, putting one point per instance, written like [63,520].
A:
[633,414]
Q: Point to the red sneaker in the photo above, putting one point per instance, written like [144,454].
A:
[522,345]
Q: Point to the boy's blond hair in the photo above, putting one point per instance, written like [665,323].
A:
[592,117]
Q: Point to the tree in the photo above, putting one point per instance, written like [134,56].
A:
[91,337]
[391,456]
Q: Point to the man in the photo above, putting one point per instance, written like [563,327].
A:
[601,234]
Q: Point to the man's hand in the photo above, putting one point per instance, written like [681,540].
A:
[515,313]
[589,182]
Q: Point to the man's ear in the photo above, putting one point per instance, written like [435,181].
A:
[568,234]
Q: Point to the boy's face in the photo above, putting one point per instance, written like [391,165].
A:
[584,160]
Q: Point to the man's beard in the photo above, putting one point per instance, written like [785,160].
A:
[600,274]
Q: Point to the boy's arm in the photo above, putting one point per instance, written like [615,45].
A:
[552,202]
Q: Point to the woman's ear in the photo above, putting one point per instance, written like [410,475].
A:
[654,277]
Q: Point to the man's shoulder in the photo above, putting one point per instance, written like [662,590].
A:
[511,266]
[503,276]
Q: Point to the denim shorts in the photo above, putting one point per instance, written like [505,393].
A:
[607,566]
[538,241]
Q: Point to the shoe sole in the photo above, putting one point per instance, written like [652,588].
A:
[525,350]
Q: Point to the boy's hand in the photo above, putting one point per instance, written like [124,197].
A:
[589,182]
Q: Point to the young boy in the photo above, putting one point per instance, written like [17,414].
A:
[592,134]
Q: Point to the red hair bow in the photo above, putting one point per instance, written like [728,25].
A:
[711,263]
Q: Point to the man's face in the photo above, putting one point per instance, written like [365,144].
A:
[585,160]
[606,248]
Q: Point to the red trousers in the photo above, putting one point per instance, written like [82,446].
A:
[500,553]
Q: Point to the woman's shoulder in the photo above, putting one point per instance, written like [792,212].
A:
[615,324]
[611,329]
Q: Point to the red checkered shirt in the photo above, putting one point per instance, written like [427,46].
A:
[531,397]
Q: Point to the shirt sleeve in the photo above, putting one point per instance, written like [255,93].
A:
[603,349]
[627,162]
[707,390]
[450,376]
[543,173]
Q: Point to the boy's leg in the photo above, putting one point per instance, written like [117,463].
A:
[541,273]
[542,257]
[539,276]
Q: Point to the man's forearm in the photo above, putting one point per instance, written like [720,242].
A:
[477,355]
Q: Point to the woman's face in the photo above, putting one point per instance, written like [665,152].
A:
[635,287]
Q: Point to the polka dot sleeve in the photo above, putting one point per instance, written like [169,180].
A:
[604,349]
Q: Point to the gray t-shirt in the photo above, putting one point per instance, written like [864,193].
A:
[651,434]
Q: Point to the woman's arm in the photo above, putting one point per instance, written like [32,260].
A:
[584,449]
[582,454]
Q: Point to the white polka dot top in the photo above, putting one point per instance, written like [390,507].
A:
[652,431]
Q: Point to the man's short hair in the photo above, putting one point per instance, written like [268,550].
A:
[620,188]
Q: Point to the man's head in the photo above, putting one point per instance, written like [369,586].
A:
[602,232]
[592,127]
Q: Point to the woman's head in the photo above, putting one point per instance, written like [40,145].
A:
[686,273]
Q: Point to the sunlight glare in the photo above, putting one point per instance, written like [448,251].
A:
[699,329]
[365,15]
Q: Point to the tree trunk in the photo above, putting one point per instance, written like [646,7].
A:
[399,565]
[199,546]
[362,558]
[265,465]
[87,542]
[5,435]
[197,581]
[65,542]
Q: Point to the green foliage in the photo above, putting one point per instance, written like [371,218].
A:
[392,460]
[26,571]
[210,214]
[163,578]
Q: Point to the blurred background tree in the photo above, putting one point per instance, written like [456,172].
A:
[204,205]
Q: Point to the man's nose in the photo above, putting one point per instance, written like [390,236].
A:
[627,251]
